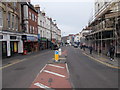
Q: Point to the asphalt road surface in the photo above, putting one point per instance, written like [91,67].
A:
[21,75]
[87,73]
[84,72]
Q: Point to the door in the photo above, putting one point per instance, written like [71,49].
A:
[4,49]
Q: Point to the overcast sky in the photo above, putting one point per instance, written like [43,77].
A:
[71,17]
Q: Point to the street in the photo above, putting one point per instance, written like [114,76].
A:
[84,72]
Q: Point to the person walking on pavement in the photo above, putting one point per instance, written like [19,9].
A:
[84,46]
[111,52]
[91,49]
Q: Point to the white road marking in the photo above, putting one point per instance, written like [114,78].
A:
[41,85]
[39,73]
[67,70]
[55,66]
[53,73]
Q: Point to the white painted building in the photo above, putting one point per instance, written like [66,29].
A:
[77,38]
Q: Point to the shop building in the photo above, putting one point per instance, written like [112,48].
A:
[11,30]
[30,27]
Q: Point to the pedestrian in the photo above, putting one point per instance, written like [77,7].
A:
[84,46]
[90,49]
[111,52]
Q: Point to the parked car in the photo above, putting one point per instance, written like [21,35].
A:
[75,46]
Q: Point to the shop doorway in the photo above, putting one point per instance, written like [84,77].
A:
[13,47]
[4,49]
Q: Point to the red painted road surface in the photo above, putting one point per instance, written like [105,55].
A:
[64,52]
[52,76]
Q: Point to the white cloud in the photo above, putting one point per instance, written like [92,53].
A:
[66,29]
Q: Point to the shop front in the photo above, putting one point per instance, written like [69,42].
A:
[43,44]
[30,43]
[11,44]
[4,49]
[13,47]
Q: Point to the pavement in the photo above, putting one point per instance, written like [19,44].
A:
[103,59]
[19,57]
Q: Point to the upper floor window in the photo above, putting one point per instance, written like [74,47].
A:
[14,4]
[33,30]
[30,29]
[32,16]
[40,22]
[16,23]
[29,15]
[1,21]
[9,15]
[12,21]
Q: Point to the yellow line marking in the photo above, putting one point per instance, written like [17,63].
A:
[12,64]
[16,61]
[102,62]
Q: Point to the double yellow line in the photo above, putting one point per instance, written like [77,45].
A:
[109,65]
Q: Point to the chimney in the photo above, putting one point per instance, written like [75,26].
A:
[43,13]
[37,7]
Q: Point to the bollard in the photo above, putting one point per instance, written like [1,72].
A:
[60,51]
[56,55]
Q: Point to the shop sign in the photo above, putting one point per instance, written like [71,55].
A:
[38,36]
[18,37]
[32,38]
[43,39]
[12,37]
[24,37]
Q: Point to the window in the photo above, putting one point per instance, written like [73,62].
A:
[1,21]
[16,23]
[30,29]
[33,30]
[14,4]
[9,19]
[40,23]
[35,18]
[43,24]
[12,21]
[32,16]
[29,15]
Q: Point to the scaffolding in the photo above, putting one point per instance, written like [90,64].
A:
[106,29]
